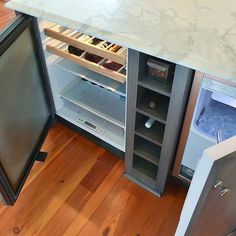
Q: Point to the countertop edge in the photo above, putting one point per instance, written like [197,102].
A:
[119,39]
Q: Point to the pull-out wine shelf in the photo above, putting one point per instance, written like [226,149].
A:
[92,53]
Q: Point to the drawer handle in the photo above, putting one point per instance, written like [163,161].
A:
[219,185]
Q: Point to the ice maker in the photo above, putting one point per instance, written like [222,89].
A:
[214,119]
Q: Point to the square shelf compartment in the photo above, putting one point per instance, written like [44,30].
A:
[152,104]
[147,150]
[155,84]
[145,167]
[154,134]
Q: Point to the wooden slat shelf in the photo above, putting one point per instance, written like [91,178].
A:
[87,64]
[88,47]
[92,76]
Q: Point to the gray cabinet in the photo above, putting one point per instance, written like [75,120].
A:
[150,151]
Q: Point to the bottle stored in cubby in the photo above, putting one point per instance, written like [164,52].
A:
[152,104]
[149,123]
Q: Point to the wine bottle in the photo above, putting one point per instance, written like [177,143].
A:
[115,48]
[152,104]
[75,51]
[149,123]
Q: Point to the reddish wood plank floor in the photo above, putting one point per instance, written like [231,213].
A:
[6,15]
[81,190]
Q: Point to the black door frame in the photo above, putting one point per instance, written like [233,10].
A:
[6,39]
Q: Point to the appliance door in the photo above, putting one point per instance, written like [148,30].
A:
[213,119]
[26,110]
[210,208]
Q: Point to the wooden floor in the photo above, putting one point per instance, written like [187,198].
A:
[81,190]
[6,15]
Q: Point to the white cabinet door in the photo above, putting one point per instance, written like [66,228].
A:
[210,205]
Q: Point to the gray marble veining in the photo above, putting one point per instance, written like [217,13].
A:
[200,34]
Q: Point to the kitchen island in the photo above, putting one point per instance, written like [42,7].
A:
[115,106]
[197,34]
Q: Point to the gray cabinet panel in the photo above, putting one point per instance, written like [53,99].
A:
[132,75]
[138,166]
[179,97]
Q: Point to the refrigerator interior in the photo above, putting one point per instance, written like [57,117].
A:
[213,121]
[85,98]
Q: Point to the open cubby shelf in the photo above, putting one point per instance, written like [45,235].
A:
[87,43]
[99,67]
[159,111]
[145,167]
[148,151]
[154,134]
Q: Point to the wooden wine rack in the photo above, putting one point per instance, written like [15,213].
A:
[67,37]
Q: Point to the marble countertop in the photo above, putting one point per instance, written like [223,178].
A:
[200,34]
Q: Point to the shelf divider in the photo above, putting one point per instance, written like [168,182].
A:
[150,115]
[155,85]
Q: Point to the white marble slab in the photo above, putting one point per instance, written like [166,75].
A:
[200,34]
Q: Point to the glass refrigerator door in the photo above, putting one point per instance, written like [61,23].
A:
[25,110]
